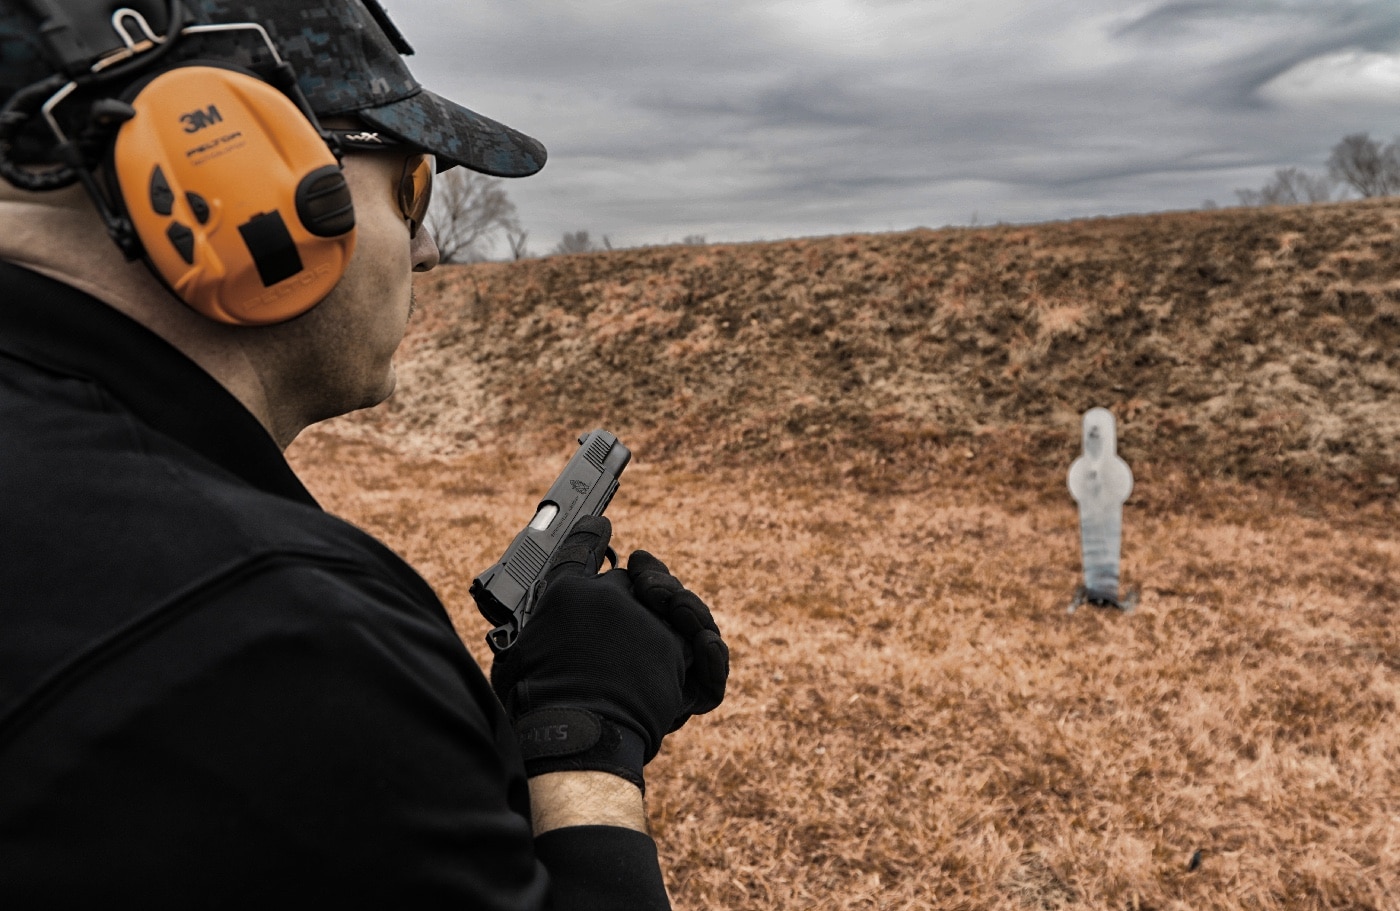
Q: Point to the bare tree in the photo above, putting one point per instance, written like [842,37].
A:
[467,211]
[575,242]
[516,238]
[1366,166]
[1289,187]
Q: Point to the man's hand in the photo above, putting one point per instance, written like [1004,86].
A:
[609,664]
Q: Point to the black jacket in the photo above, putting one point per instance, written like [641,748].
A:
[214,694]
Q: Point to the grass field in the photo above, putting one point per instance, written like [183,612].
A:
[882,528]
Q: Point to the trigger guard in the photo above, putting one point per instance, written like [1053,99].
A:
[611,556]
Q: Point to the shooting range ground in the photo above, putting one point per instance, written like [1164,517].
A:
[854,448]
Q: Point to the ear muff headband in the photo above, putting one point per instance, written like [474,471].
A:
[238,202]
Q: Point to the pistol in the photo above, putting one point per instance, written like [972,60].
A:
[505,593]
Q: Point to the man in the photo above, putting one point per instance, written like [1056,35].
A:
[213,694]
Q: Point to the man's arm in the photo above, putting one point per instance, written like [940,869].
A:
[608,666]
[301,735]
[590,834]
[559,800]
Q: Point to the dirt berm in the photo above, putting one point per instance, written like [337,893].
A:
[1261,345]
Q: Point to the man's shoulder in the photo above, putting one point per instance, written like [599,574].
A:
[91,491]
[115,533]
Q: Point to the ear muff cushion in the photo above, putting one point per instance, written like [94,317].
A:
[241,208]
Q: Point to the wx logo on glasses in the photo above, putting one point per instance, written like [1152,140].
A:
[198,119]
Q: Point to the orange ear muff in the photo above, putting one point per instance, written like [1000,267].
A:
[241,207]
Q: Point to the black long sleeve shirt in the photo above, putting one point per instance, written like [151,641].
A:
[214,694]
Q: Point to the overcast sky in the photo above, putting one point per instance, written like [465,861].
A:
[761,119]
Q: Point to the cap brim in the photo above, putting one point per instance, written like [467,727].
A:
[458,136]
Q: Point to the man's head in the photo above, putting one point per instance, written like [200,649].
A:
[219,197]
[347,56]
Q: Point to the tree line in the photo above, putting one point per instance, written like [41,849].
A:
[470,213]
[1357,163]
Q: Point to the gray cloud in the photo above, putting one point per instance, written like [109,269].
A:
[1290,33]
[769,119]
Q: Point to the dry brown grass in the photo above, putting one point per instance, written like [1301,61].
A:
[914,719]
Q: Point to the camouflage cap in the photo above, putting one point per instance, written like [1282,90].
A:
[348,57]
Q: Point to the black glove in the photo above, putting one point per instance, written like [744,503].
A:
[608,664]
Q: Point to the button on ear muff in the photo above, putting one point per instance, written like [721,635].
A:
[323,202]
[183,240]
[162,198]
[200,207]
